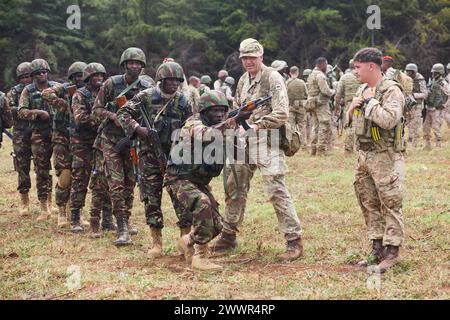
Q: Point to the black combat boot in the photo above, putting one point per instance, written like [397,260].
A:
[376,255]
[75,225]
[95,227]
[123,236]
[131,230]
[107,220]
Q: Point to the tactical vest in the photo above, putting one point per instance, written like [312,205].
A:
[37,103]
[436,96]
[369,134]
[170,119]
[19,124]
[61,119]
[85,133]
[351,85]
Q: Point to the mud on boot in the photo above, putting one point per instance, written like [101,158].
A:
[294,250]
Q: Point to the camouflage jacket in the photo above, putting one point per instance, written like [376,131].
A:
[83,124]
[167,114]
[297,93]
[5,112]
[12,98]
[347,87]
[318,87]
[193,98]
[420,91]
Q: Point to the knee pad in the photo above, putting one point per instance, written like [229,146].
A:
[64,179]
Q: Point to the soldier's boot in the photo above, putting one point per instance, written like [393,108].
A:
[107,220]
[183,231]
[294,250]
[390,260]
[156,250]
[200,259]
[85,223]
[123,236]
[24,204]
[131,230]
[186,244]
[313,151]
[75,225]
[95,228]
[427,145]
[45,212]
[376,255]
[62,217]
[224,242]
[50,204]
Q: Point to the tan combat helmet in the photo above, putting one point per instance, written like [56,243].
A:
[23,69]
[279,65]
[438,68]
[412,67]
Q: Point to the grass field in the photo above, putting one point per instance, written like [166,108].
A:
[37,261]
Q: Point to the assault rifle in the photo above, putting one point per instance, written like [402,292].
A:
[249,106]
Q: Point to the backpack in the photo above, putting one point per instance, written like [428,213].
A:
[406,84]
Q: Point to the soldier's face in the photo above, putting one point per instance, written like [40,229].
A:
[216,114]
[40,76]
[252,64]
[96,80]
[77,79]
[411,74]
[134,68]
[25,79]
[435,75]
[170,85]
[386,65]
[364,70]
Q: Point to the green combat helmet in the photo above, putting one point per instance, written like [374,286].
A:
[211,99]
[133,54]
[170,70]
[39,65]
[411,67]
[76,67]
[23,69]
[91,69]
[279,65]
[230,81]
[205,79]
[439,68]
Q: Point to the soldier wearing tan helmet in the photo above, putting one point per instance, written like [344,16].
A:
[259,81]
[118,164]
[222,75]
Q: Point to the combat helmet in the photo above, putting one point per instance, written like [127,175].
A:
[39,65]
[211,99]
[307,72]
[230,81]
[205,79]
[76,67]
[411,67]
[439,68]
[133,54]
[170,70]
[279,65]
[91,69]
[23,69]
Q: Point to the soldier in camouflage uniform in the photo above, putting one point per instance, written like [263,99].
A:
[298,95]
[377,112]
[446,89]
[309,123]
[59,98]
[346,90]
[260,81]
[222,75]
[435,102]
[420,93]
[34,109]
[118,163]
[319,94]
[189,183]
[205,81]
[168,110]
[82,136]
[21,137]
[193,95]
[282,67]
[227,89]
[6,118]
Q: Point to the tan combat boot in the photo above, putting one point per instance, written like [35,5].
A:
[95,228]
[294,250]
[84,222]
[391,259]
[156,250]
[224,242]
[200,259]
[186,245]
[24,204]
[50,204]
[183,231]
[45,211]
[62,217]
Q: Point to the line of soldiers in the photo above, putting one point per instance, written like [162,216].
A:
[101,135]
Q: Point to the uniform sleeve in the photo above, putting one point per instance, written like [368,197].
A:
[129,116]
[55,97]
[81,114]
[7,119]
[25,113]
[104,95]
[340,92]
[280,104]
[389,114]
[423,94]
[323,86]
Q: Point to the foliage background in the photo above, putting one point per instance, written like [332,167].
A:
[204,35]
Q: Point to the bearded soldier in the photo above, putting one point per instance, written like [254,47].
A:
[60,99]
[118,163]
[377,112]
[167,109]
[21,137]
[34,109]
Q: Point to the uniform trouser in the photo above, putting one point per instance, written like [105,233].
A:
[151,188]
[85,158]
[413,122]
[379,190]
[273,170]
[120,176]
[333,129]
[349,132]
[432,122]
[201,206]
[446,115]
[41,148]
[297,118]
[321,116]
[62,160]
[22,159]
[309,126]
